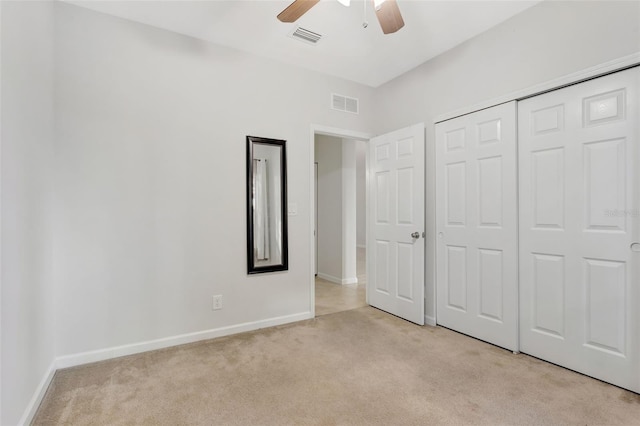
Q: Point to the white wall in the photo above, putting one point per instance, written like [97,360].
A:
[328,155]
[349,205]
[27,294]
[545,42]
[361,193]
[150,178]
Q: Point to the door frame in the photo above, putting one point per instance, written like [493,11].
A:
[318,129]
[315,218]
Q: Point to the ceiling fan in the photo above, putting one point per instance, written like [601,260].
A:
[387,12]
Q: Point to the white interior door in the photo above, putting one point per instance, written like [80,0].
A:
[476,221]
[395,246]
[580,225]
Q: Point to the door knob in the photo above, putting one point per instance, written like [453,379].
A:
[635,247]
[415,235]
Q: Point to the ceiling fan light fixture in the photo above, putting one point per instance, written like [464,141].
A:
[387,12]
[377,3]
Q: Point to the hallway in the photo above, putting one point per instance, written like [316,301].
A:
[332,298]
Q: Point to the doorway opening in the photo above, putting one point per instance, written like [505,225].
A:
[339,219]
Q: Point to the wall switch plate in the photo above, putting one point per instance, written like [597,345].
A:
[217,302]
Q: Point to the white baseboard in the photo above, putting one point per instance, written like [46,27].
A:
[336,280]
[430,320]
[118,351]
[38,395]
[329,278]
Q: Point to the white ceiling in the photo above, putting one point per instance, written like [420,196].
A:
[347,50]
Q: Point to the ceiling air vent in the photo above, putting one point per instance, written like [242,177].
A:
[305,35]
[344,103]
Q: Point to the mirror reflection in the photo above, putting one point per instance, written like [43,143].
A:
[266,201]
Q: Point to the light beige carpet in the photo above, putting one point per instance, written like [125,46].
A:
[360,367]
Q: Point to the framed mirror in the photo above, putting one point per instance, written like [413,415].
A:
[267,246]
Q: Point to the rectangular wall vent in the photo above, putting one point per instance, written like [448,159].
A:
[305,35]
[344,103]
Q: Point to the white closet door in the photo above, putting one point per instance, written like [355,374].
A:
[579,221]
[476,220]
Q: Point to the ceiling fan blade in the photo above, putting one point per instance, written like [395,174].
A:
[296,10]
[389,16]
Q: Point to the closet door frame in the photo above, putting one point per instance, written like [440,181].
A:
[600,70]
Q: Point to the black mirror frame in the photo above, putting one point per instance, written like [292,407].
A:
[284,265]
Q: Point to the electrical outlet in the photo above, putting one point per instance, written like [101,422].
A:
[217,302]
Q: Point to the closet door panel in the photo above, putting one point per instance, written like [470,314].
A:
[579,217]
[476,223]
